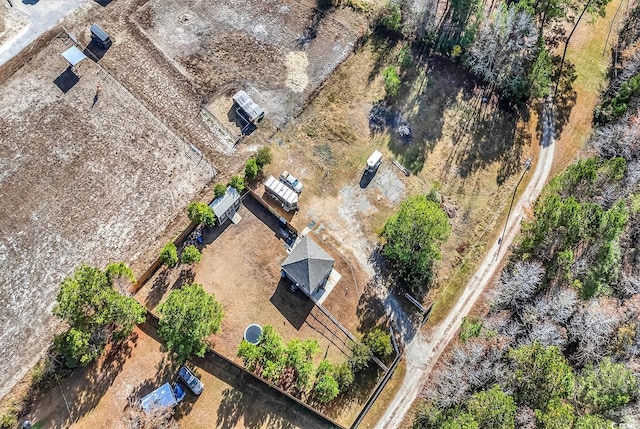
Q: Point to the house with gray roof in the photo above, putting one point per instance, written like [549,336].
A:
[225,206]
[308,266]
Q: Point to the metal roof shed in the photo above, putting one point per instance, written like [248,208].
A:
[73,55]
[253,111]
[308,266]
[225,206]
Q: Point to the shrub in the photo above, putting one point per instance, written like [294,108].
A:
[391,81]
[343,375]
[263,157]
[405,59]
[169,255]
[391,18]
[191,255]
[470,328]
[237,182]
[326,389]
[379,342]
[250,169]
[201,213]
[360,357]
[219,190]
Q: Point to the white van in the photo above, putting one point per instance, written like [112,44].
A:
[374,161]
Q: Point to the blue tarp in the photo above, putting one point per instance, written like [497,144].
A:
[161,397]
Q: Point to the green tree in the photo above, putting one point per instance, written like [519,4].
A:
[391,18]
[461,421]
[263,157]
[191,255]
[95,312]
[607,386]
[413,237]
[169,255]
[326,388]
[250,169]
[558,414]
[405,58]
[201,213]
[76,347]
[237,182]
[187,318]
[251,355]
[540,374]
[219,190]
[271,344]
[360,357]
[391,81]
[343,375]
[379,342]
[493,409]
[593,422]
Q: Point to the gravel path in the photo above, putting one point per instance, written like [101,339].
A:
[422,353]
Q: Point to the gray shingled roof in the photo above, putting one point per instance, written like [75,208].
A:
[221,204]
[307,264]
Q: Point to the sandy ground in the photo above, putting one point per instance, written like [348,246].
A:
[230,399]
[288,48]
[26,20]
[71,181]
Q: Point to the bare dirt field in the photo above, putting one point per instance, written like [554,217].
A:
[279,51]
[80,182]
[231,399]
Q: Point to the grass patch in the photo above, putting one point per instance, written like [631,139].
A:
[385,398]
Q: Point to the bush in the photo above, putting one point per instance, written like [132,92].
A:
[343,375]
[379,342]
[360,357]
[470,328]
[250,169]
[326,389]
[9,420]
[169,255]
[391,18]
[76,348]
[191,255]
[391,81]
[263,157]
[405,58]
[237,182]
[219,190]
[201,213]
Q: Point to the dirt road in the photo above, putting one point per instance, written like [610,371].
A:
[422,353]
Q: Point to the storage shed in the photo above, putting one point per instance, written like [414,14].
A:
[252,111]
[308,266]
[225,206]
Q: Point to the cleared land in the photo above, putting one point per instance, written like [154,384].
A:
[79,183]
[279,51]
[231,399]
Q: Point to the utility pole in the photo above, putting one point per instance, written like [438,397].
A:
[527,166]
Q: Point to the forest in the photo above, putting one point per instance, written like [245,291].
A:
[558,344]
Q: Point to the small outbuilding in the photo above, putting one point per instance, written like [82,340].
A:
[308,266]
[226,206]
[252,112]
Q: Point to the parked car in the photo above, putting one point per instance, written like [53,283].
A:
[291,181]
[191,380]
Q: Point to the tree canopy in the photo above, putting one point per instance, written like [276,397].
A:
[413,237]
[379,342]
[187,317]
[201,213]
[190,255]
[95,311]
[169,255]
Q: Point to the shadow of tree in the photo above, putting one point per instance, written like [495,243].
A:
[158,289]
[565,98]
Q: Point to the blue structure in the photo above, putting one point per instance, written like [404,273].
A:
[164,396]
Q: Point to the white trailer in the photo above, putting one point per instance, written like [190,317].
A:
[285,195]
[374,161]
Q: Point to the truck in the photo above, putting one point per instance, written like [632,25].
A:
[291,181]
[284,194]
[374,161]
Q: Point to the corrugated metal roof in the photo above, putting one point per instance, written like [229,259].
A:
[221,204]
[307,264]
[276,187]
[243,100]
[73,55]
